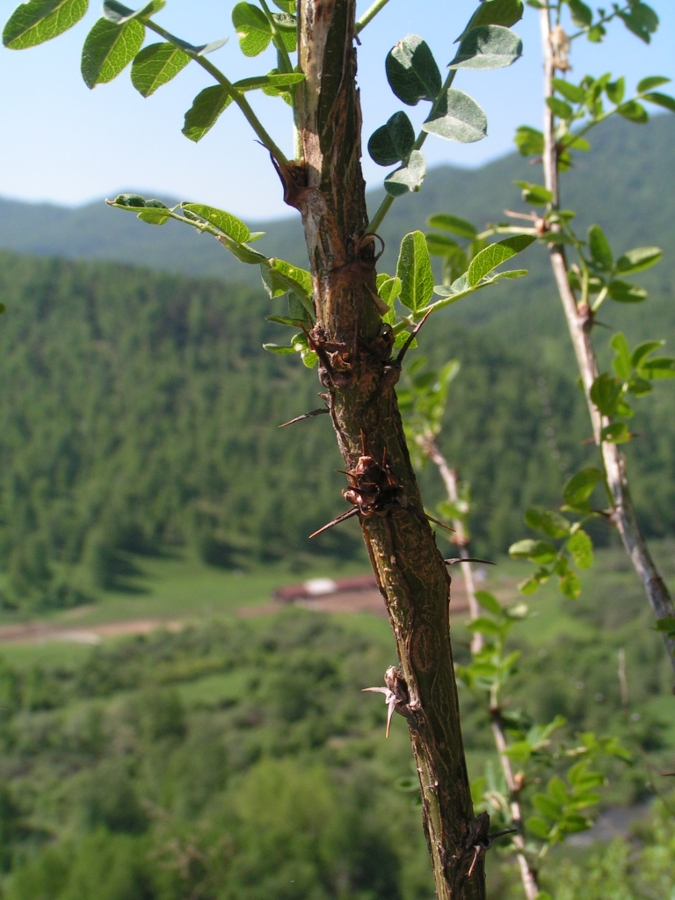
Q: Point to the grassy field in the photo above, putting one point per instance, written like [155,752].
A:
[182,590]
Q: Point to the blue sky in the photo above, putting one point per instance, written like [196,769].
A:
[66,144]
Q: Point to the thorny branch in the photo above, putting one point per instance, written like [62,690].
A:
[579,323]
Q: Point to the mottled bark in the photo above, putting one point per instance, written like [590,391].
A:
[359,377]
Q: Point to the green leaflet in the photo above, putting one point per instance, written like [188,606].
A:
[601,252]
[453,224]
[529,140]
[579,488]
[496,254]
[488,47]
[621,363]
[408,177]
[41,20]
[457,117]
[412,72]
[580,547]
[155,66]
[252,27]
[205,110]
[496,12]
[108,49]
[414,270]
[552,524]
[650,82]
[224,221]
[625,292]
[392,142]
[664,100]
[541,552]
[638,259]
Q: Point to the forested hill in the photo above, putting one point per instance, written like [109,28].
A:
[619,184]
[139,412]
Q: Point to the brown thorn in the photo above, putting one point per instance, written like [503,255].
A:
[436,522]
[531,217]
[477,851]
[411,337]
[307,415]
[352,512]
[461,559]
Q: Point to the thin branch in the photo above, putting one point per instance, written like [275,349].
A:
[527,874]
[278,39]
[623,511]
[236,95]
[369,15]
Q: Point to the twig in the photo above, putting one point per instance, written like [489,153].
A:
[527,874]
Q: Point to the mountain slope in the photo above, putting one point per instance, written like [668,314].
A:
[139,411]
[620,184]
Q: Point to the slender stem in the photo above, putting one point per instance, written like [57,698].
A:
[236,95]
[388,200]
[579,323]
[603,21]
[528,875]
[369,15]
[277,38]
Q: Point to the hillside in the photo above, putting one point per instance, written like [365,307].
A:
[140,413]
[640,159]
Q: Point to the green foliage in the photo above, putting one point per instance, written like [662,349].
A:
[253,28]
[392,142]
[487,47]
[38,21]
[108,50]
[412,71]
[156,65]
[414,272]
[456,117]
[205,111]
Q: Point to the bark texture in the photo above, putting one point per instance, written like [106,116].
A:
[579,323]
[359,376]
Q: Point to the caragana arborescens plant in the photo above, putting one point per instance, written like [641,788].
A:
[354,323]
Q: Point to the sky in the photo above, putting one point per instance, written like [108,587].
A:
[65,144]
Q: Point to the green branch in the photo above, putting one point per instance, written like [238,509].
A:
[277,39]
[369,15]
[237,97]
